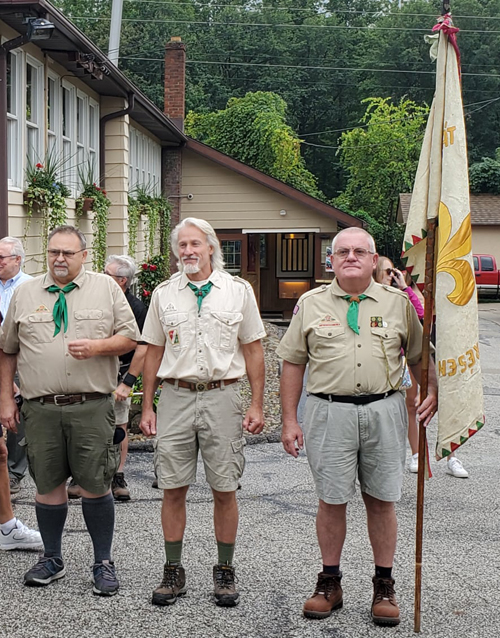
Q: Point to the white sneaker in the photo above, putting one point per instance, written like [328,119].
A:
[413,467]
[455,468]
[21,537]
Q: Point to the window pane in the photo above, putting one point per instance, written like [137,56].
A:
[487,263]
[231,251]
[11,84]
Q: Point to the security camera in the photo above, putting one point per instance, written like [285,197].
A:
[190,196]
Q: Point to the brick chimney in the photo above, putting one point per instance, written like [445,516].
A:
[175,80]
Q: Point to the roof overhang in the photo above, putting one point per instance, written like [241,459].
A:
[67,46]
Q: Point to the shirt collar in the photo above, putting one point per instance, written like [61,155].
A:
[48,280]
[373,290]
[13,280]
[215,278]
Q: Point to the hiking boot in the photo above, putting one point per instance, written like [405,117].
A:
[45,571]
[225,592]
[385,610]
[172,585]
[74,490]
[326,598]
[14,485]
[104,579]
[20,537]
[119,488]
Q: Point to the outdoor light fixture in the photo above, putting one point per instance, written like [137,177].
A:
[39,29]
[282,211]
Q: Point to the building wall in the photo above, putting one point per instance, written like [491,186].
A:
[486,240]
[231,201]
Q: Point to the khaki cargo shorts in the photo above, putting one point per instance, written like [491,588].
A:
[344,441]
[210,422]
[72,440]
[122,409]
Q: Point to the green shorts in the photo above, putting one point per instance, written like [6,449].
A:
[73,440]
[344,441]
[210,422]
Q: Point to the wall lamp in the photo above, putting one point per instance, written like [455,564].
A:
[37,29]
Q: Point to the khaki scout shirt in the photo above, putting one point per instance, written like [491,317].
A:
[342,362]
[204,347]
[97,309]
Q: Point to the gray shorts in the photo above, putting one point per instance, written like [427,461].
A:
[210,422]
[122,409]
[344,440]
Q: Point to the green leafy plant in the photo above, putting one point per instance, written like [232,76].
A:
[156,210]
[45,195]
[151,274]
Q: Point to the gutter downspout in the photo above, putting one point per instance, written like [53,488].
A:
[102,136]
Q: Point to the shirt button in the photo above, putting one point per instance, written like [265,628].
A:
[359,365]
[359,345]
[358,385]
[329,334]
[69,374]
[199,350]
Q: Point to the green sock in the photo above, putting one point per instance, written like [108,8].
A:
[225,552]
[173,552]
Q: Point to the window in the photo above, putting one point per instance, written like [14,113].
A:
[487,264]
[294,254]
[54,116]
[231,253]
[34,110]
[14,158]
[94,137]
[68,136]
[144,163]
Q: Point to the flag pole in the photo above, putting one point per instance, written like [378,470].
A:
[422,438]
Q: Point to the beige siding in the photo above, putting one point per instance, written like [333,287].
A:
[486,240]
[229,201]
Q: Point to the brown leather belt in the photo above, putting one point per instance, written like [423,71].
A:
[70,399]
[200,386]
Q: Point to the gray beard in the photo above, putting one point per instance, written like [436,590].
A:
[191,269]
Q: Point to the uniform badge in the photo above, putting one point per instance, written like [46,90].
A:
[170,307]
[296,309]
[329,322]
[173,335]
[376,322]
[42,308]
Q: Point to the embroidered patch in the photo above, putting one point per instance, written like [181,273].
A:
[173,335]
[42,308]
[376,322]
[170,307]
[329,322]
[296,309]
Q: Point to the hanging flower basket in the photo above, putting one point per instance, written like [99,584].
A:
[87,204]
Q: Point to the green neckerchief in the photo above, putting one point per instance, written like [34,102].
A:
[353,311]
[201,292]
[60,312]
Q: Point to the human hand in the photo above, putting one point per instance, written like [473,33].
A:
[397,276]
[81,349]
[9,414]
[254,420]
[122,392]
[427,409]
[148,422]
[292,438]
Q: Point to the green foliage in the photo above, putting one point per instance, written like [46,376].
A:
[151,274]
[253,129]
[381,158]
[484,176]
[156,210]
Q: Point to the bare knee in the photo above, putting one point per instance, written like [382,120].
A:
[3,452]
[377,507]
[224,498]
[176,496]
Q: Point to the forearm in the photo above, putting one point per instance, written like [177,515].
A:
[113,346]
[8,366]
[256,371]
[292,379]
[152,362]
[137,363]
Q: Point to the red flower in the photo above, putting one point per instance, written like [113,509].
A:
[153,267]
[39,165]
[104,192]
[145,266]
[146,293]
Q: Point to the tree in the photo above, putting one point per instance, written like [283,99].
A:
[253,129]
[484,176]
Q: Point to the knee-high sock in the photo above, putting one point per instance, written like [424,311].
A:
[99,515]
[51,519]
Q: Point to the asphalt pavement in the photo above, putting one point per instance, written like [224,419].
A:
[277,556]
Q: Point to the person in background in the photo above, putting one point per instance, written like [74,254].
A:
[387,274]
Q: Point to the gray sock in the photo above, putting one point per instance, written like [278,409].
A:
[99,515]
[51,519]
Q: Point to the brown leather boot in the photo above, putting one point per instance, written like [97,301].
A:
[385,610]
[327,597]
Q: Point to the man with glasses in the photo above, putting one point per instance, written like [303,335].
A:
[64,332]
[11,276]
[351,333]
[122,268]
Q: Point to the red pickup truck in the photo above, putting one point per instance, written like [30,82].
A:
[487,275]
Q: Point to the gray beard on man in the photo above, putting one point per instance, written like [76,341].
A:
[191,269]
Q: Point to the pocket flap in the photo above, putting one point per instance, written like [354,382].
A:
[330,332]
[238,445]
[385,333]
[41,317]
[229,318]
[91,313]
[174,319]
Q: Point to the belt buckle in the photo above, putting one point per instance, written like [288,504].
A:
[201,387]
[58,396]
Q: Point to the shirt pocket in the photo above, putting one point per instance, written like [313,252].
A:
[330,341]
[89,324]
[223,329]
[176,329]
[41,327]
[386,344]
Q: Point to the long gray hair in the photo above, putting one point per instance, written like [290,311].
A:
[216,259]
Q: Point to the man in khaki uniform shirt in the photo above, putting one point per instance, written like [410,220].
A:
[64,331]
[351,334]
[203,329]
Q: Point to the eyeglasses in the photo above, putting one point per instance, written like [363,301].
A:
[2,257]
[115,276]
[67,254]
[389,271]
[359,253]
